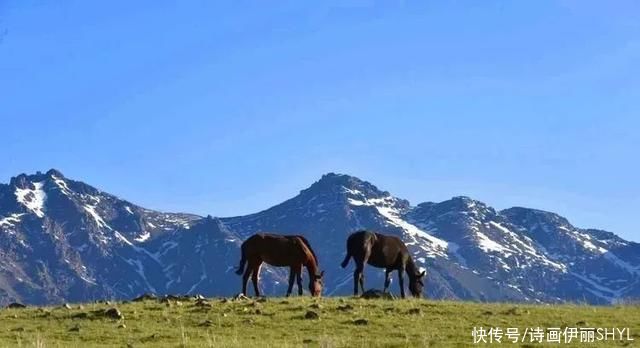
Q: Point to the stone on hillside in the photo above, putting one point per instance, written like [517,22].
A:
[66,306]
[377,294]
[312,315]
[361,322]
[113,313]
[206,323]
[16,305]
[145,297]
[414,311]
[240,297]
[345,308]
[203,304]
[81,315]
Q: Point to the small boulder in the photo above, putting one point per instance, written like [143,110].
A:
[75,328]
[345,308]
[145,297]
[206,323]
[66,306]
[81,315]
[312,315]
[414,311]
[512,311]
[377,294]
[113,313]
[16,305]
[361,322]
[203,304]
[239,297]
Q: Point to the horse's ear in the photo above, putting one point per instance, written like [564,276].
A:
[319,276]
[422,274]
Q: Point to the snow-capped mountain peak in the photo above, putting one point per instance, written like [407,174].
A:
[62,240]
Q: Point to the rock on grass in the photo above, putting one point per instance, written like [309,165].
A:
[113,313]
[312,315]
[377,294]
[361,322]
[145,297]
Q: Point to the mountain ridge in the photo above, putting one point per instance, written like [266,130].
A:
[64,240]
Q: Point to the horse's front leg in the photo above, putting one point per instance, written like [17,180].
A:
[299,278]
[401,281]
[291,278]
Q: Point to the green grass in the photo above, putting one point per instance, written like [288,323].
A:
[281,322]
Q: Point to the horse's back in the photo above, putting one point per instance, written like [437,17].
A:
[384,250]
[275,249]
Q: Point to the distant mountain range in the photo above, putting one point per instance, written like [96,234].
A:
[62,240]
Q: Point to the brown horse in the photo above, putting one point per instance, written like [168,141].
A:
[280,251]
[388,252]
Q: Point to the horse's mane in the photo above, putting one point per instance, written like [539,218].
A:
[307,246]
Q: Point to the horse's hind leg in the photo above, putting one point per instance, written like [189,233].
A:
[291,278]
[245,279]
[387,279]
[254,277]
[358,278]
[360,266]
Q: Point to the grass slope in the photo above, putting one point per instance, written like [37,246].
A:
[280,322]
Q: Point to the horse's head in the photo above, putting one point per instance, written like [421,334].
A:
[416,283]
[315,284]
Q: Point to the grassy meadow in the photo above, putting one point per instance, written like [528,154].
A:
[297,322]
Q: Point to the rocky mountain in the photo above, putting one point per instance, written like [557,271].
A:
[64,241]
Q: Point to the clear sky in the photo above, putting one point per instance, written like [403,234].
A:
[227,108]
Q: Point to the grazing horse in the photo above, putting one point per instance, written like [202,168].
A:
[382,251]
[280,251]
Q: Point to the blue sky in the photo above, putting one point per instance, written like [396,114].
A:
[227,108]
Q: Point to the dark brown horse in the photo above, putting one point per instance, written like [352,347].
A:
[388,252]
[280,251]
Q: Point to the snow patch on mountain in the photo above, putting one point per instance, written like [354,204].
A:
[62,185]
[387,207]
[33,199]
[10,220]
[487,244]
[143,237]
[98,219]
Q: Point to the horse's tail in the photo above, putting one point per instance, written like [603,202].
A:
[346,260]
[243,261]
